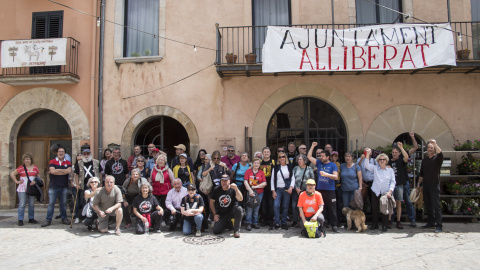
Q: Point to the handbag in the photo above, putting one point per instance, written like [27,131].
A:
[312,229]
[87,210]
[206,184]
[254,201]
[31,190]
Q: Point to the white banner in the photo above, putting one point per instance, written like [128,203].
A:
[379,47]
[34,52]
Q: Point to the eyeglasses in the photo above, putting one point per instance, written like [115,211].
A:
[140,160]
[216,158]
[280,151]
[382,159]
[302,148]
[231,151]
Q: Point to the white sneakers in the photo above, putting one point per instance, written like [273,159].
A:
[198,233]
[77,220]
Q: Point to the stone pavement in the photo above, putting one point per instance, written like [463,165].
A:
[59,247]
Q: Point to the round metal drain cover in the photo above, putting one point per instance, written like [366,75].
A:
[204,240]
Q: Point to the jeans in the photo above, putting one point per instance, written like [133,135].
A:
[252,213]
[53,193]
[408,203]
[283,198]
[347,197]
[22,202]
[187,225]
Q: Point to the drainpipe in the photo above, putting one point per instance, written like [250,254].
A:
[448,8]
[100,80]
[333,14]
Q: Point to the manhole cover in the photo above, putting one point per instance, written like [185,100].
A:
[204,240]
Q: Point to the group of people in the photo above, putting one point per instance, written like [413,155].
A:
[230,190]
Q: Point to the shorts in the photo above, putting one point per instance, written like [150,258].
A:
[103,222]
[398,193]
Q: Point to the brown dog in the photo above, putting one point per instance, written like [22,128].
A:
[357,216]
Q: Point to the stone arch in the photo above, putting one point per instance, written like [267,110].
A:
[306,89]
[17,110]
[404,118]
[145,114]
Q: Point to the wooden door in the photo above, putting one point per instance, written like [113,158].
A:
[36,147]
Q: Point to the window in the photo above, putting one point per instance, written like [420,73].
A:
[370,13]
[142,15]
[47,25]
[268,12]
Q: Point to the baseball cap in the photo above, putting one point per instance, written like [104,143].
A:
[183,155]
[191,187]
[181,146]
[86,150]
[225,177]
[310,182]
[334,153]
[155,150]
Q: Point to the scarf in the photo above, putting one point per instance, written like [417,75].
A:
[159,176]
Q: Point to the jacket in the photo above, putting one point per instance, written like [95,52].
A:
[175,172]
[81,170]
[387,204]
[39,184]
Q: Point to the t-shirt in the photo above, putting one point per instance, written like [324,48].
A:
[230,162]
[106,200]
[195,204]
[145,205]
[310,204]
[400,169]
[59,180]
[255,179]
[266,167]
[349,176]
[240,173]
[430,169]
[184,175]
[23,176]
[292,159]
[225,200]
[118,169]
[89,172]
[325,183]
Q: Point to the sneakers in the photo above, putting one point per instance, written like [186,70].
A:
[20,223]
[163,224]
[255,226]
[58,217]
[65,221]
[335,229]
[46,223]
[158,231]
[236,234]
[294,224]
[198,233]
[89,227]
[389,224]
[438,229]
[284,227]
[428,226]
[277,226]
[412,224]
[399,225]
[248,227]
[118,232]
[384,228]
[77,220]
[33,221]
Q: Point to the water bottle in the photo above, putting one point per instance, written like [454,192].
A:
[147,229]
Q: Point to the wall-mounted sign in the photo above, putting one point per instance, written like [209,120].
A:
[378,47]
[34,52]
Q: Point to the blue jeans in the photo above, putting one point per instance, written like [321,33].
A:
[408,203]
[22,202]
[347,197]
[61,193]
[187,225]
[283,198]
[252,213]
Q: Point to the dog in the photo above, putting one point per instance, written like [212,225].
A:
[357,216]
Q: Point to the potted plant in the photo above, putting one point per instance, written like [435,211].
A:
[453,187]
[231,58]
[470,207]
[476,145]
[251,58]
[463,54]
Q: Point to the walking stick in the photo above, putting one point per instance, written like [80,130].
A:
[74,203]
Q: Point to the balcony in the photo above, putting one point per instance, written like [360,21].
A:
[42,75]
[243,40]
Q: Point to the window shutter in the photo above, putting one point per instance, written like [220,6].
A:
[47,25]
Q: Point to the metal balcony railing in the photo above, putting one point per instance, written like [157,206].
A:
[71,68]
[244,40]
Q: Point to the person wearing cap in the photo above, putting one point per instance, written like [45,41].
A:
[180,149]
[86,168]
[132,160]
[183,172]
[192,208]
[302,173]
[224,207]
[150,147]
[230,159]
[310,205]
[151,161]
[173,203]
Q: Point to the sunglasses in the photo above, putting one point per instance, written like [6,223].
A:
[382,159]
[280,151]
[231,151]
[140,160]
[216,158]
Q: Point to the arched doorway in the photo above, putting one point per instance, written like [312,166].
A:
[306,120]
[37,134]
[163,131]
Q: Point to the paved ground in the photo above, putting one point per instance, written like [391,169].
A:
[59,247]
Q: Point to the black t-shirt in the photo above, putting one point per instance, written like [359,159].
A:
[89,172]
[400,169]
[145,205]
[118,169]
[292,159]
[184,175]
[188,204]
[225,200]
[266,167]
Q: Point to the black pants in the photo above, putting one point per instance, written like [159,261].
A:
[376,210]
[339,203]
[178,219]
[156,220]
[330,211]
[431,198]
[236,213]
[267,205]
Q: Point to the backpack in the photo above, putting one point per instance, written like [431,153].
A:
[313,230]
